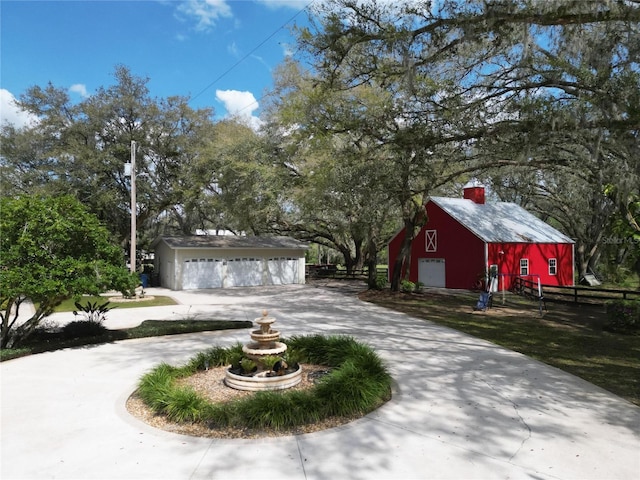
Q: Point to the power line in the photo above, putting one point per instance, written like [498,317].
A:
[226,72]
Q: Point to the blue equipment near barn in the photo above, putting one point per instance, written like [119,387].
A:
[484,301]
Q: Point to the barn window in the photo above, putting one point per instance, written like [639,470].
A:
[524,266]
[553,266]
[431,241]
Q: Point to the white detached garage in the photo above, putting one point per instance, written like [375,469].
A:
[210,261]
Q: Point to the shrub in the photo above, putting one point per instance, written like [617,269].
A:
[380,283]
[93,312]
[156,386]
[269,361]
[623,316]
[407,286]
[293,357]
[248,365]
[277,411]
[357,384]
[217,357]
[184,405]
[83,328]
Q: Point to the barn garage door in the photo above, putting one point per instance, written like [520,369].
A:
[431,272]
[282,270]
[202,273]
[243,272]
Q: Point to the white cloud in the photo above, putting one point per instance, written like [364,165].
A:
[80,89]
[240,105]
[233,49]
[205,12]
[261,60]
[10,113]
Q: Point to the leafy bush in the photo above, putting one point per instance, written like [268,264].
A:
[155,387]
[185,405]
[83,328]
[217,357]
[248,365]
[293,357]
[623,316]
[407,286]
[357,384]
[269,361]
[52,248]
[380,283]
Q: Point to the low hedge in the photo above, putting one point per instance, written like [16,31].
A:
[358,383]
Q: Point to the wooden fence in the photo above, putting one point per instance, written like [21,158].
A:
[577,294]
[333,272]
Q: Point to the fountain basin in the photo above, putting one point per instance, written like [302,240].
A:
[254,350]
[260,336]
[261,382]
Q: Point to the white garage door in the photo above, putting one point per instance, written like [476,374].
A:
[282,270]
[431,272]
[243,272]
[202,273]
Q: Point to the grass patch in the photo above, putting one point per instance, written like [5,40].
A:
[155,301]
[568,337]
[358,383]
[44,340]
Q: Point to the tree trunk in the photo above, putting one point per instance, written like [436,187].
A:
[372,263]
[403,258]
[414,219]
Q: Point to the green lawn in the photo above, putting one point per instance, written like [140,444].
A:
[567,337]
[69,305]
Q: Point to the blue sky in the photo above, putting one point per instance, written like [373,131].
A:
[184,47]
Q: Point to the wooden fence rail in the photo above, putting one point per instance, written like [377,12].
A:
[577,294]
[331,271]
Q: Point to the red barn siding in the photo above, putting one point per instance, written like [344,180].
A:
[507,256]
[464,254]
[462,250]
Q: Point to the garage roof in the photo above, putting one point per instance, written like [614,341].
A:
[230,241]
[500,222]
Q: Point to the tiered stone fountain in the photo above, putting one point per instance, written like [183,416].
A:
[265,343]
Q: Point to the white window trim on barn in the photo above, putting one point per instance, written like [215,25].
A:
[430,241]
[553,266]
[524,266]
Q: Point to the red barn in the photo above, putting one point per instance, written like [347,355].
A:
[465,238]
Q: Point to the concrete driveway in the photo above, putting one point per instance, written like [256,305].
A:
[462,408]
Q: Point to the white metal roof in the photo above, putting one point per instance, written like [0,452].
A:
[500,222]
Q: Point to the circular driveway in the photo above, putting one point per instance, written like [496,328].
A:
[462,408]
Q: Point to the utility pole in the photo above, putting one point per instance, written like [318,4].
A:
[134,206]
